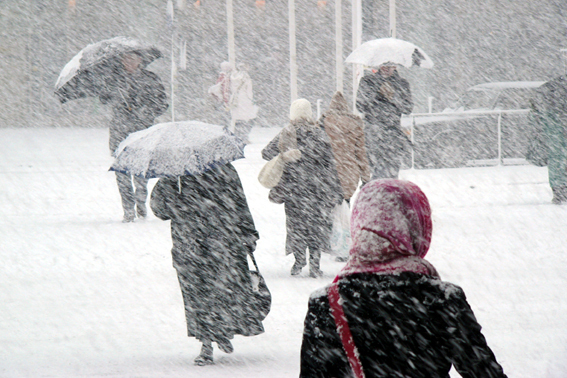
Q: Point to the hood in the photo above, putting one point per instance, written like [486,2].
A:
[225,67]
[339,104]
[391,228]
[300,109]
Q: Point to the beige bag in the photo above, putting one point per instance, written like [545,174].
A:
[271,172]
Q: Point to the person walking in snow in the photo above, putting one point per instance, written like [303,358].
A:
[382,98]
[388,314]
[137,97]
[549,111]
[241,103]
[213,232]
[346,133]
[309,187]
[221,91]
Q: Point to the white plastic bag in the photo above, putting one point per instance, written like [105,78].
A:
[340,237]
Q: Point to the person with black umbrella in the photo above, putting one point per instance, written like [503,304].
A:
[137,97]
[114,71]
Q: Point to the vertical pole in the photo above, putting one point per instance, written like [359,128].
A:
[231,48]
[339,45]
[170,21]
[172,79]
[393,18]
[292,51]
[230,33]
[356,41]
[412,131]
[499,138]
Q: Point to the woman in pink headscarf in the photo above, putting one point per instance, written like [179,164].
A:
[388,314]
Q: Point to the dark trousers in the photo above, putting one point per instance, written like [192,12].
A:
[131,194]
[383,169]
[307,228]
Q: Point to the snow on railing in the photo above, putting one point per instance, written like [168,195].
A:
[464,115]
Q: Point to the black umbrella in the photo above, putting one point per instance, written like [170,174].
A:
[94,66]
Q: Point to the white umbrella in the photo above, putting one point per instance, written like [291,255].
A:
[177,149]
[379,51]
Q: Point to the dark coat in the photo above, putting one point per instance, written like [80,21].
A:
[136,100]
[212,232]
[406,325]
[383,101]
[309,187]
[549,113]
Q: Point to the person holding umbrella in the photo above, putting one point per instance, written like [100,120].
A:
[114,70]
[137,97]
[383,97]
[212,231]
[212,228]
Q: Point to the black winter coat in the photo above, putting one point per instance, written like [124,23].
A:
[313,179]
[406,325]
[310,188]
[375,102]
[136,100]
[212,232]
[383,101]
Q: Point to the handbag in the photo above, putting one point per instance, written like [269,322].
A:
[261,296]
[216,91]
[271,173]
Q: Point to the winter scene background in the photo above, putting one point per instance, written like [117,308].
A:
[84,295]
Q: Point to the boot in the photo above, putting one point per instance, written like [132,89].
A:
[225,345]
[315,272]
[206,356]
[314,261]
[141,210]
[296,268]
[129,216]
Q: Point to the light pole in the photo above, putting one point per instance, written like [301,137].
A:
[292,51]
[339,45]
[393,18]
[230,33]
[356,42]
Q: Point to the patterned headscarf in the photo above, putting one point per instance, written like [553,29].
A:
[391,229]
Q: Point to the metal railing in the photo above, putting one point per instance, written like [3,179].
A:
[465,115]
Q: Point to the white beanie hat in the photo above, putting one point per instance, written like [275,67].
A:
[300,108]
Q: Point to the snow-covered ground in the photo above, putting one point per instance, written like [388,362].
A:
[84,295]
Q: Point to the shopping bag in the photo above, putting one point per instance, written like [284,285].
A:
[216,91]
[340,236]
[271,172]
